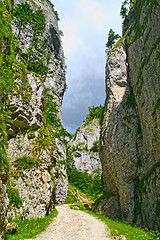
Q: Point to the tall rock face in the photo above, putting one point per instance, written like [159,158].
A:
[3,209]
[84,147]
[35,133]
[130,139]
[144,75]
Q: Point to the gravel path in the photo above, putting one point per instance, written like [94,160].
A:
[74,225]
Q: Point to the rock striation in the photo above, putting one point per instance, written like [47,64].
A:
[81,147]
[36,147]
[129,149]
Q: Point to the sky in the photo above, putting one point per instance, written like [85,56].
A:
[85,24]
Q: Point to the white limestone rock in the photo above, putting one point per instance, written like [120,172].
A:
[84,158]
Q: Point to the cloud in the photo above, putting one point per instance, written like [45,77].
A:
[71,41]
[85,24]
[94,12]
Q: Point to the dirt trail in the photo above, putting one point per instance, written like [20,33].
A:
[74,225]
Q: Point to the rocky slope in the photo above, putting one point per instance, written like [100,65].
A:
[32,103]
[130,139]
[84,147]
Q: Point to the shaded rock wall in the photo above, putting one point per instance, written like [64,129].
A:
[130,140]
[144,73]
[119,149]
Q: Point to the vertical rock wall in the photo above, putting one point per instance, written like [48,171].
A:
[3,209]
[119,149]
[35,146]
[130,133]
[143,51]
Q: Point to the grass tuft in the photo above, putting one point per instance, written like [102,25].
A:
[31,228]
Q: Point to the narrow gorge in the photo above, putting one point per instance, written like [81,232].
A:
[117,147]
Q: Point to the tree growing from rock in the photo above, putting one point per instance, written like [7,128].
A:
[112,38]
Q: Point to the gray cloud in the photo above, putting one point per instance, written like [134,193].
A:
[85,24]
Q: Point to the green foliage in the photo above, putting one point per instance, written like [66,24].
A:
[85,182]
[75,196]
[118,228]
[27,20]
[57,15]
[23,16]
[7,59]
[124,9]
[95,146]
[51,117]
[61,33]
[94,112]
[75,135]
[13,195]
[31,228]
[31,134]
[79,147]
[25,163]
[4,164]
[11,69]
[72,194]
[112,38]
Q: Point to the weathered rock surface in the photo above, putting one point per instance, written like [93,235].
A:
[27,115]
[33,148]
[39,186]
[144,72]
[130,140]
[119,146]
[3,209]
[84,158]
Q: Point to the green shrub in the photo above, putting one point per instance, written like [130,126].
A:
[25,162]
[13,195]
[94,112]
[85,182]
[95,146]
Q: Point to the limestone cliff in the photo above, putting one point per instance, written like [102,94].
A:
[3,209]
[32,103]
[130,139]
[84,147]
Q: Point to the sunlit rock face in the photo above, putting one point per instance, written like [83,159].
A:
[27,115]
[129,149]
[34,150]
[85,159]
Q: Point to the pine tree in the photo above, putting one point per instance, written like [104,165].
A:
[112,37]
